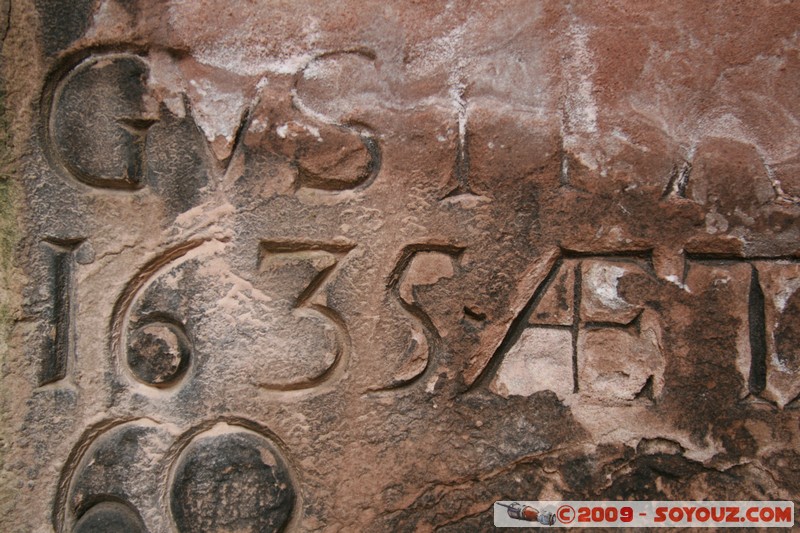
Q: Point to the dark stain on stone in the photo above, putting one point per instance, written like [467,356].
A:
[702,384]
[63,22]
[110,517]
[240,470]
[177,166]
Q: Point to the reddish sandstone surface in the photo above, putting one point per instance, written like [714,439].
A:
[369,266]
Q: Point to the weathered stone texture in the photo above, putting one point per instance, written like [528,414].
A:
[370,266]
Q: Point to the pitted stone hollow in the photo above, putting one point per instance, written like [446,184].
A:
[109,517]
[231,481]
[159,353]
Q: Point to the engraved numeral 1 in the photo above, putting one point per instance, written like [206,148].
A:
[758,335]
[59,342]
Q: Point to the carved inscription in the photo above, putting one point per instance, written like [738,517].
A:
[578,334]
[326,166]
[572,321]
[97,113]
[766,289]
[219,475]
[420,265]
[59,344]
[461,168]
[279,263]
[175,318]
[757,380]
[325,149]
[154,347]
[223,319]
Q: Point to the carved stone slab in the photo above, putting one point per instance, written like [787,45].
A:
[370,266]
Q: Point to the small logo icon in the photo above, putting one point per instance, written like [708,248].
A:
[565,514]
[529,514]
